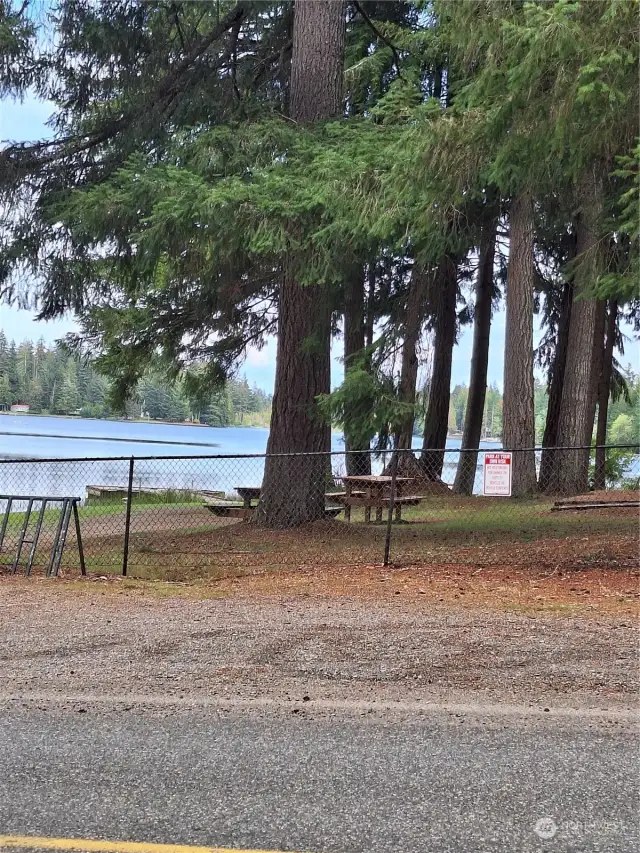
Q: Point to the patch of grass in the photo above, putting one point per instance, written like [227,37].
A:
[99,507]
[479,520]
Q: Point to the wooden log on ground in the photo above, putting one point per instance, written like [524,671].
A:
[561,506]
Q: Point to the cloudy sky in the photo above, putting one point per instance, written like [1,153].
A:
[25,121]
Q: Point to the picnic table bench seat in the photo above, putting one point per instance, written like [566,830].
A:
[229,509]
[362,499]
[339,496]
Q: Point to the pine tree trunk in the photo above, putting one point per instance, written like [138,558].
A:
[445,295]
[570,474]
[293,486]
[413,317]
[466,472]
[354,342]
[518,423]
[604,389]
[550,437]
[597,360]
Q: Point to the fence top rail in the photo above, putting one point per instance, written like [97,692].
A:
[416,450]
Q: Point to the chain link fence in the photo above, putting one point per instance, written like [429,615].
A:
[181,518]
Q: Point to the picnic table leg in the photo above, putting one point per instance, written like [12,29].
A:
[398,512]
[367,508]
[347,498]
[378,515]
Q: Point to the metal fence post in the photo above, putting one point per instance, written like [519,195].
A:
[392,500]
[127,523]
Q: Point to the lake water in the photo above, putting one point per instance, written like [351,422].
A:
[58,439]
[43,437]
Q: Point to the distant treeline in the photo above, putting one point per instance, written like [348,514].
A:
[51,381]
[623,417]
[492,417]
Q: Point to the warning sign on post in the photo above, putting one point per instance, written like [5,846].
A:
[496,481]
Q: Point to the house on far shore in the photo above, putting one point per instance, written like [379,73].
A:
[20,409]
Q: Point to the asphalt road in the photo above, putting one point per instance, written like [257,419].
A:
[317,782]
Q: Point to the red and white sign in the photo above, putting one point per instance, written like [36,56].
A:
[496,480]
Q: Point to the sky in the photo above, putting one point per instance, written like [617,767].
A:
[25,121]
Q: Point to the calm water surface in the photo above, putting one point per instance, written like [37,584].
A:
[34,437]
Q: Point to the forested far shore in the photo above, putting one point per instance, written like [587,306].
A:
[50,380]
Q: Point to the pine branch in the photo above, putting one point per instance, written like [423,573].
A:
[168,87]
[176,18]
[381,36]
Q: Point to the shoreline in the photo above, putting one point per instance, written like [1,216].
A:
[154,422]
[129,420]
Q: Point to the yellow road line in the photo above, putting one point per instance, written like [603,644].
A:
[88,845]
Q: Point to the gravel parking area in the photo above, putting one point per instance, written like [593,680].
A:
[58,640]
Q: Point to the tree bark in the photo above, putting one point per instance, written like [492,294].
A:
[597,361]
[413,318]
[293,486]
[570,474]
[604,389]
[354,342]
[550,436]
[518,422]
[466,472]
[445,296]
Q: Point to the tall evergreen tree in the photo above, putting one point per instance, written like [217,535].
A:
[444,296]
[475,403]
[518,423]
[291,493]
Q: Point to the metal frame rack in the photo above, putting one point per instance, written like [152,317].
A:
[68,505]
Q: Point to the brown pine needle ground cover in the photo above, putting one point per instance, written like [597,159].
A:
[467,552]
[466,533]
[510,554]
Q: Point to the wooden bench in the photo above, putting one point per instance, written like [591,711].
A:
[560,506]
[229,510]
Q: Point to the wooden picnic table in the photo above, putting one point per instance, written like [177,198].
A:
[373,492]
